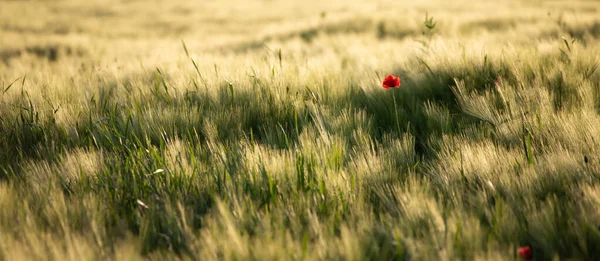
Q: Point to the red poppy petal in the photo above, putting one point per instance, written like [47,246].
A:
[397,82]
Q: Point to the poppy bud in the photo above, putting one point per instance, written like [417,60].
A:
[525,252]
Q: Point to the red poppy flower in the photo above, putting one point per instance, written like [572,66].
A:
[526,252]
[391,81]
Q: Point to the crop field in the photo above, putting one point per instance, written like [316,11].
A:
[260,130]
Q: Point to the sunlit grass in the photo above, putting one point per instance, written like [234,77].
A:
[180,131]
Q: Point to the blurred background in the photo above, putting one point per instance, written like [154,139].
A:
[39,31]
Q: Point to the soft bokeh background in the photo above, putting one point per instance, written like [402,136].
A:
[111,33]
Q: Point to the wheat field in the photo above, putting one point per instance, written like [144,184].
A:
[259,130]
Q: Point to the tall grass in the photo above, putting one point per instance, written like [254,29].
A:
[122,144]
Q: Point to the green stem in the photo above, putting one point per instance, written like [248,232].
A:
[396,113]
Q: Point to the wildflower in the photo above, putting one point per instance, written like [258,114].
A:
[525,252]
[391,81]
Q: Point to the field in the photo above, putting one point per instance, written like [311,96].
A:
[260,130]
